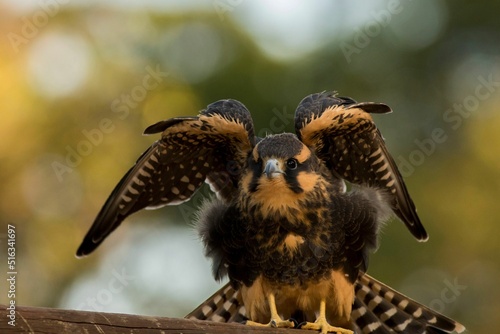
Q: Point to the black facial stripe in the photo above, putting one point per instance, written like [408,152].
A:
[293,184]
[256,168]
[291,176]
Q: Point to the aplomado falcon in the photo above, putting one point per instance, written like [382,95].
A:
[282,226]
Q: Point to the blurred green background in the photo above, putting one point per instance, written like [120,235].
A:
[79,81]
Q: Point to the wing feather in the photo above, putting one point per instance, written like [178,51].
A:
[344,136]
[211,147]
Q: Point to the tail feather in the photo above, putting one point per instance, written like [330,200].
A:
[365,321]
[374,314]
[223,306]
[377,309]
[396,311]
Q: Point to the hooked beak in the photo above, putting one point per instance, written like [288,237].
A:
[272,168]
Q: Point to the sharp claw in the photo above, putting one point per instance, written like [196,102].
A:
[324,327]
[295,322]
[274,323]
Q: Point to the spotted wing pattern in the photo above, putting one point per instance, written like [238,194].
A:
[211,147]
[344,136]
[377,309]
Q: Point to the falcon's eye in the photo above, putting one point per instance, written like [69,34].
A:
[291,163]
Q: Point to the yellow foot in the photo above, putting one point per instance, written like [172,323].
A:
[322,325]
[274,323]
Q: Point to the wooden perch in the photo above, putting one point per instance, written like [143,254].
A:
[57,321]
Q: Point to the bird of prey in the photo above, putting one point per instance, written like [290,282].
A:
[293,242]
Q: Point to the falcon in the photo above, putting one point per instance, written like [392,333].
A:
[282,226]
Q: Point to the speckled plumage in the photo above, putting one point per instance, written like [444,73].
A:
[282,226]
[330,224]
[344,136]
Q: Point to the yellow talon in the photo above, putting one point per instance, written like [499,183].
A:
[276,321]
[322,325]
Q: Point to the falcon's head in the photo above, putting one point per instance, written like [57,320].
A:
[282,171]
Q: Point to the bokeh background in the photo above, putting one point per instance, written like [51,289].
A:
[79,81]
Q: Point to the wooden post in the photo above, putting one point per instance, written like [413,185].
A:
[59,321]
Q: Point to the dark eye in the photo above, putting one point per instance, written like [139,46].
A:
[291,163]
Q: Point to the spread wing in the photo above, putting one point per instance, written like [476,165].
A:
[344,136]
[211,147]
